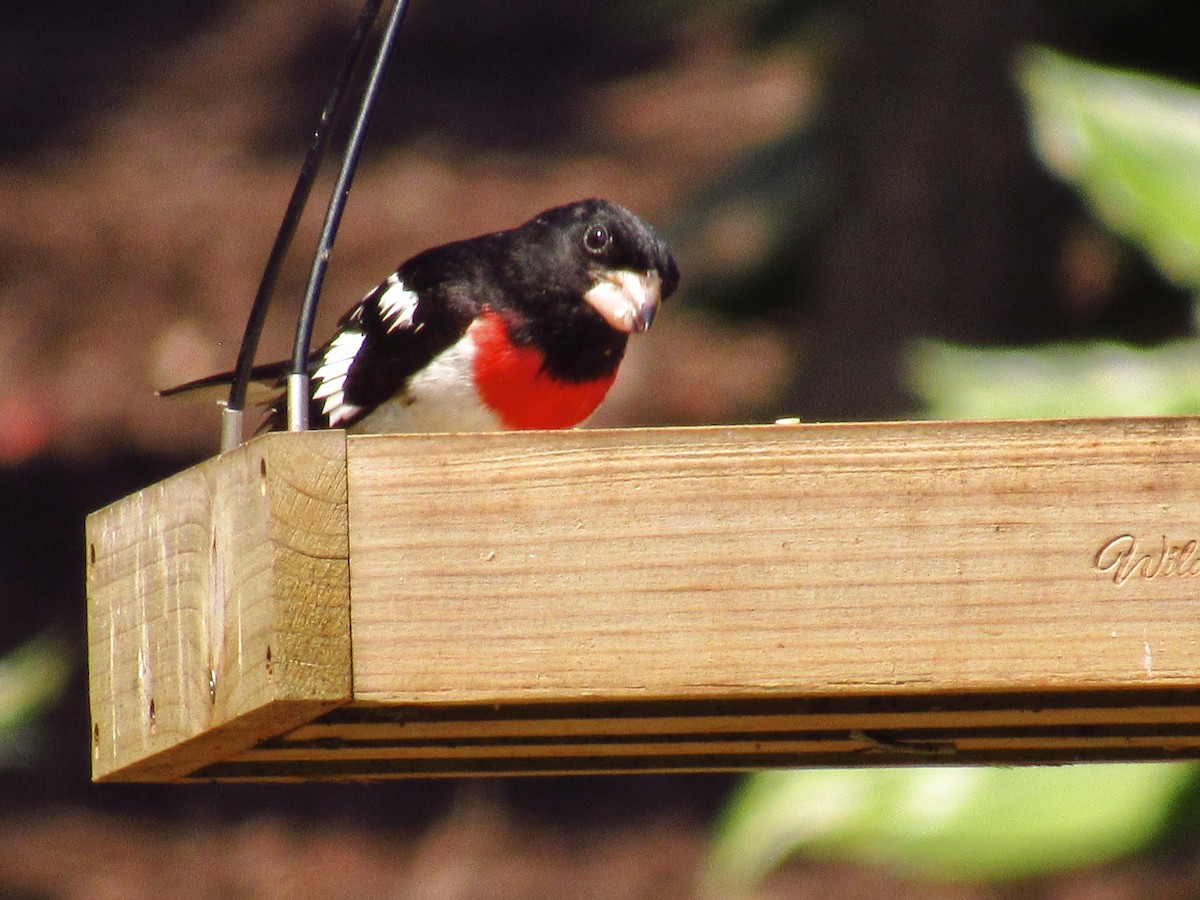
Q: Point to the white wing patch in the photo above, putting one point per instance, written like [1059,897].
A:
[329,378]
[397,304]
[441,397]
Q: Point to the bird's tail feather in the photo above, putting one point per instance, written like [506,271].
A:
[265,380]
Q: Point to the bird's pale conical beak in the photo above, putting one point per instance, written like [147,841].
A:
[627,300]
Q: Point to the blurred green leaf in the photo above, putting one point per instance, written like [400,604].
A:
[1130,142]
[955,823]
[32,678]
[1052,382]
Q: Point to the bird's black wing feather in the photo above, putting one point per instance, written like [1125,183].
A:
[448,287]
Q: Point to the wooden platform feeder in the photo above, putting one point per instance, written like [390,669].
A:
[322,606]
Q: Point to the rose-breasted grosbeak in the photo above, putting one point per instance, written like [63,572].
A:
[517,329]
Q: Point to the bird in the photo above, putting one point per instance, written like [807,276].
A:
[518,329]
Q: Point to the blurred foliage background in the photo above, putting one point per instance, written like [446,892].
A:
[952,208]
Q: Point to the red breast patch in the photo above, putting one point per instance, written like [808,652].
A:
[511,382]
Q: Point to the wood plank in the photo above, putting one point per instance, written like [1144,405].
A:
[652,600]
[218,607]
[383,732]
[394,741]
[703,759]
[744,562]
[799,749]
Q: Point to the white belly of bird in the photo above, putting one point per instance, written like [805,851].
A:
[441,397]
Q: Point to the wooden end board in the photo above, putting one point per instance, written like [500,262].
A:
[218,607]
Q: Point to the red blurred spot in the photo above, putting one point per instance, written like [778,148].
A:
[25,427]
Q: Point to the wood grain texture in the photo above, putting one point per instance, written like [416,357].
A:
[653,600]
[218,607]
[757,561]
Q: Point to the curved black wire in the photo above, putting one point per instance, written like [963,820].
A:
[298,379]
[291,218]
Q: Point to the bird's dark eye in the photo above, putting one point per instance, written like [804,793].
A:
[596,239]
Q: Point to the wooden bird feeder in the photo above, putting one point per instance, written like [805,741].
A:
[328,606]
